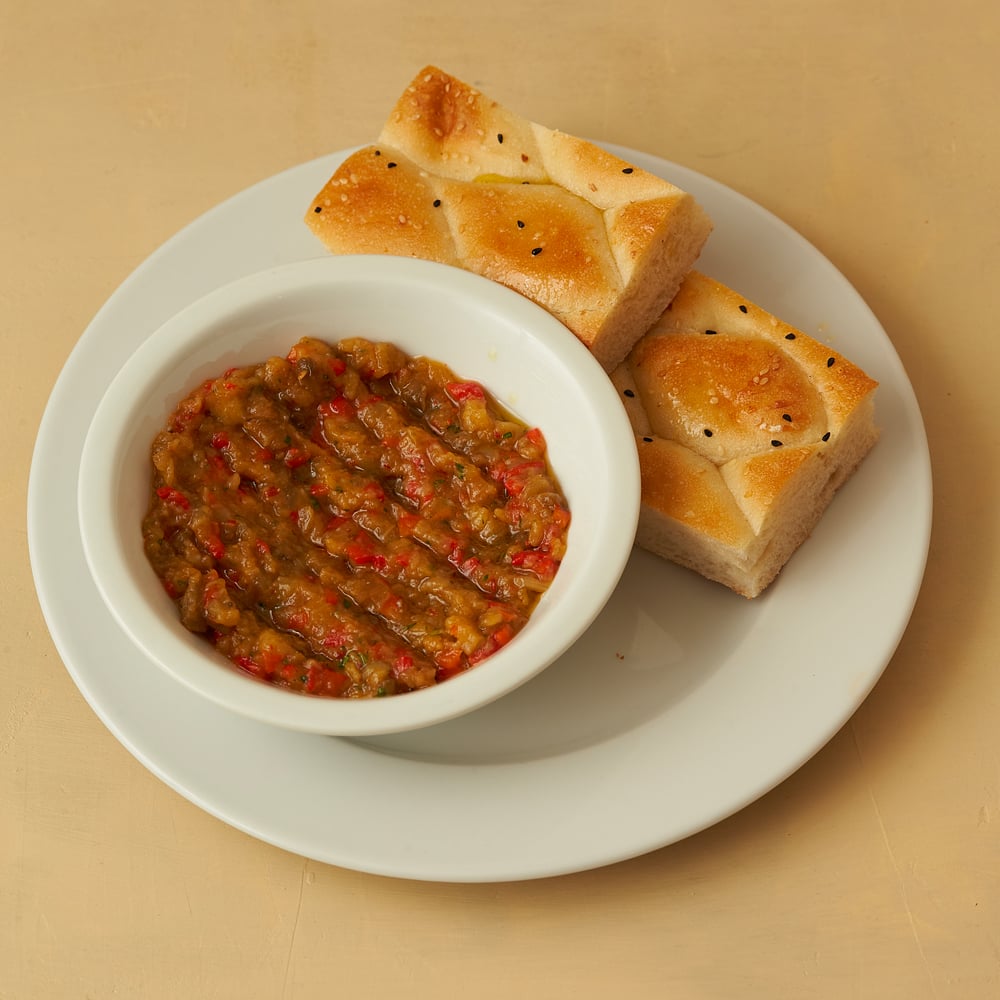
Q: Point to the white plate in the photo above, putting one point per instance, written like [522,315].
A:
[682,704]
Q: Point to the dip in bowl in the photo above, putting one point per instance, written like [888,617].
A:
[491,340]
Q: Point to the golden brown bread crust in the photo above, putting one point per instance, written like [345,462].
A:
[457,178]
[746,427]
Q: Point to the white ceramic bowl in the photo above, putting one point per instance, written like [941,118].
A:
[528,360]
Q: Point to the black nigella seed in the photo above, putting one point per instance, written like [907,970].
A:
[390,164]
[830,362]
[318,209]
[499,136]
[826,436]
[437,202]
[711,333]
[627,170]
[775,443]
[378,152]
[789,336]
[629,393]
[520,224]
[707,432]
[743,309]
[536,251]
[647,440]
[786,416]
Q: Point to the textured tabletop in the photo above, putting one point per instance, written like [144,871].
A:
[873,871]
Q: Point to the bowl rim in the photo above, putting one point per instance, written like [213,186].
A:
[168,345]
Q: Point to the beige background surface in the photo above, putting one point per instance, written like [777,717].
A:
[871,127]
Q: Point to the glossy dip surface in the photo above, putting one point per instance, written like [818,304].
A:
[351,521]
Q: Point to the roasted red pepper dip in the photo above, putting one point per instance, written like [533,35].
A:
[352,522]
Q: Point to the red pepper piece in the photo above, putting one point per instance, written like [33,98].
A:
[215,547]
[174,496]
[402,663]
[503,634]
[539,563]
[250,665]
[324,681]
[449,663]
[340,406]
[295,457]
[460,391]
[535,436]
[499,638]
[361,554]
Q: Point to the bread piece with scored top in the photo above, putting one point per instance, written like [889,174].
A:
[746,428]
[457,178]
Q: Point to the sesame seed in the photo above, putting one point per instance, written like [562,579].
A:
[789,336]
[630,393]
